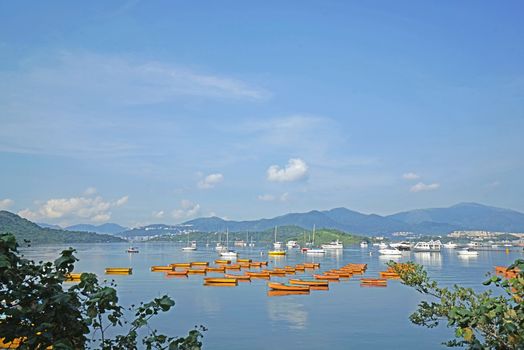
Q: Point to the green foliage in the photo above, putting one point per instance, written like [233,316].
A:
[481,320]
[40,311]
[26,230]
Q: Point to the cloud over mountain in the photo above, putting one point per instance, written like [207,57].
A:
[295,169]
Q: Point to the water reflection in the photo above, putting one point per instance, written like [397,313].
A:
[289,311]
[428,258]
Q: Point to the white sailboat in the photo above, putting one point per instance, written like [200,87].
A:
[277,247]
[228,253]
[315,250]
[190,246]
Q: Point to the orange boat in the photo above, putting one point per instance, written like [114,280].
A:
[216,269]
[238,277]
[281,293]
[177,273]
[300,267]
[233,267]
[287,287]
[318,287]
[222,261]
[341,274]
[219,280]
[373,285]
[309,282]
[199,263]
[277,273]
[162,268]
[385,274]
[258,274]
[188,265]
[255,264]
[373,281]
[212,284]
[196,272]
[244,260]
[327,277]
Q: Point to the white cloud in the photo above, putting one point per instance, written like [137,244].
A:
[187,210]
[210,181]
[266,197]
[410,176]
[120,202]
[90,191]
[269,197]
[295,169]
[5,203]
[419,187]
[158,214]
[94,209]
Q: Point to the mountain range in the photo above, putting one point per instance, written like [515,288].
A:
[463,216]
[25,230]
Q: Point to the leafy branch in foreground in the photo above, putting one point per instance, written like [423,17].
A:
[38,312]
[481,320]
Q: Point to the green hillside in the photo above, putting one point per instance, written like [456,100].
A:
[26,230]
[284,234]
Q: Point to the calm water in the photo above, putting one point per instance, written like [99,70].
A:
[244,317]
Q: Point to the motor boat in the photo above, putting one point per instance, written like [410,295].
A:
[467,252]
[315,251]
[431,246]
[229,254]
[382,245]
[390,251]
[401,245]
[292,244]
[363,244]
[450,245]
[132,250]
[333,245]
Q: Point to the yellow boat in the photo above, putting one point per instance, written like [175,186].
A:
[310,283]
[280,293]
[196,272]
[177,273]
[258,274]
[276,252]
[222,261]
[327,277]
[199,263]
[211,284]
[277,273]
[216,269]
[233,267]
[244,260]
[287,287]
[185,265]
[119,270]
[162,268]
[373,281]
[219,280]
[238,277]
[73,276]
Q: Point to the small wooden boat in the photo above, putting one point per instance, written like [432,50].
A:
[263,263]
[319,287]
[281,293]
[287,287]
[391,275]
[343,274]
[300,267]
[185,265]
[233,267]
[373,281]
[238,277]
[327,277]
[222,261]
[162,268]
[199,263]
[277,273]
[212,284]
[255,264]
[73,277]
[119,270]
[253,274]
[219,280]
[216,269]
[176,273]
[196,272]
[244,260]
[373,285]
[309,282]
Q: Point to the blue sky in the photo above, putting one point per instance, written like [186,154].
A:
[138,111]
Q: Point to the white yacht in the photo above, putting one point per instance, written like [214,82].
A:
[333,245]
[450,245]
[382,245]
[401,245]
[292,244]
[431,246]
[390,251]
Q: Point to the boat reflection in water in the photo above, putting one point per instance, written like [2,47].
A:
[279,293]
[427,258]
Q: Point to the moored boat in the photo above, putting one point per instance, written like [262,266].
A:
[132,250]
[333,245]
[309,282]
[390,251]
[431,246]
[287,287]
[467,252]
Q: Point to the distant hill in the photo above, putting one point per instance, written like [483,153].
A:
[108,228]
[156,230]
[26,230]
[470,216]
[464,216]
[44,225]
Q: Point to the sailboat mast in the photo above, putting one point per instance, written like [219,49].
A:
[313,234]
